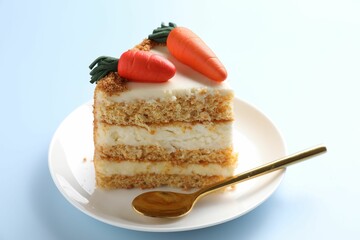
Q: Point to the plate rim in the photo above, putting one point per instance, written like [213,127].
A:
[151,228]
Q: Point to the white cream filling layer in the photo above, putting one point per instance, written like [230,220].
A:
[185,136]
[128,168]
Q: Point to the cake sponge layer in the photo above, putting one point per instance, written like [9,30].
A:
[191,105]
[145,181]
[153,153]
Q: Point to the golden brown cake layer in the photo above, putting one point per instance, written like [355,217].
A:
[199,106]
[156,153]
[145,181]
[183,110]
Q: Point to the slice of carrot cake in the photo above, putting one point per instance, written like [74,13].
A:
[174,132]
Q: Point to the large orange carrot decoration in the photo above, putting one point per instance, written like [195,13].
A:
[134,65]
[189,49]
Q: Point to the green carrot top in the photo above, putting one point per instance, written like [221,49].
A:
[161,33]
[104,66]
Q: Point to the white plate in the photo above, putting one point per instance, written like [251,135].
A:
[70,162]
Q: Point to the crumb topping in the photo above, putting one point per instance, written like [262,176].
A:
[112,84]
[147,45]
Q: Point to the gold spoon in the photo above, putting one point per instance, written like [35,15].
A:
[172,204]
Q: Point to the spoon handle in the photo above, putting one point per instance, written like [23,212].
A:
[263,169]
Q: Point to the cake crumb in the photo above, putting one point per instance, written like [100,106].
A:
[112,84]
[147,45]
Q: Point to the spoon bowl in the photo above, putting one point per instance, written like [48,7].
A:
[165,204]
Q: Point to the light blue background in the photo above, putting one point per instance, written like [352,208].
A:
[297,61]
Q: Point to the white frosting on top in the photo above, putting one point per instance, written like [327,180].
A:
[183,81]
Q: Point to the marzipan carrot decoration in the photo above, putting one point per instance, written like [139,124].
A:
[189,49]
[134,65]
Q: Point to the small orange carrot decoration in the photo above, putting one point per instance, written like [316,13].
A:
[134,65]
[189,49]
